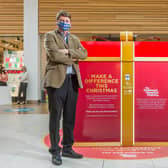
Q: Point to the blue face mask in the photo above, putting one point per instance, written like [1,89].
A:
[63,26]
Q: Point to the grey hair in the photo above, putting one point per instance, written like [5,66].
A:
[63,13]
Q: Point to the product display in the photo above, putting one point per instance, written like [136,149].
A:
[13,62]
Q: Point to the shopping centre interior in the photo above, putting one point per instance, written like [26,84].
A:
[125,128]
[13,46]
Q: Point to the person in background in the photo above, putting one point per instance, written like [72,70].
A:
[62,80]
[3,76]
[23,86]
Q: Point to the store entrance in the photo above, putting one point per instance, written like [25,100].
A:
[11,61]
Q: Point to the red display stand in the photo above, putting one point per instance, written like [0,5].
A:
[98,108]
[151,92]
[132,109]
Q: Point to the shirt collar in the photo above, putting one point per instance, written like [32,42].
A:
[62,34]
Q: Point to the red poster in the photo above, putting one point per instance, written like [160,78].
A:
[151,49]
[151,101]
[98,108]
[102,48]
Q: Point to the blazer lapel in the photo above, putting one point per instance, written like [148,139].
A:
[61,38]
[70,42]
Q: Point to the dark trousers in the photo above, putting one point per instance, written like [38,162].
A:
[22,89]
[64,100]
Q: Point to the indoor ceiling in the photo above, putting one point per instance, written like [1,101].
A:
[11,43]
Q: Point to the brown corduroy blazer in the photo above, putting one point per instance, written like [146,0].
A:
[57,62]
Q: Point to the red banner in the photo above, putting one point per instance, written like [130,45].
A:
[98,108]
[102,48]
[151,101]
[151,49]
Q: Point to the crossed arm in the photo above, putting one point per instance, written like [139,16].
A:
[64,56]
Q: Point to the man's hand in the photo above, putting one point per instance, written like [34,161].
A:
[75,60]
[64,51]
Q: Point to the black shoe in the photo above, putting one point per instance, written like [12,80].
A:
[23,103]
[72,154]
[56,159]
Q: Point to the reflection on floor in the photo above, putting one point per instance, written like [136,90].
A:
[22,146]
[36,108]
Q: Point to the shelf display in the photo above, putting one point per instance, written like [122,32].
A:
[13,62]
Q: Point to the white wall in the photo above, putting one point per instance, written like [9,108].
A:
[31,48]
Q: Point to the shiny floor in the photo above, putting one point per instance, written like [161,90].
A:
[21,143]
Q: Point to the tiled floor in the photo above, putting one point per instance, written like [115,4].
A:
[21,144]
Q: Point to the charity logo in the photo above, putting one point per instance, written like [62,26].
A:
[151,92]
[127,76]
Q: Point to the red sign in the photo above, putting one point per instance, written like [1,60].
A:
[151,101]
[102,48]
[151,49]
[98,108]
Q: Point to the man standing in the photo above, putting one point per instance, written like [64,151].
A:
[62,80]
[23,77]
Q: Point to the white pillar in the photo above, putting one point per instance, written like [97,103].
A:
[31,48]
